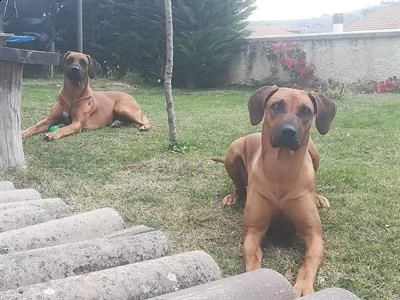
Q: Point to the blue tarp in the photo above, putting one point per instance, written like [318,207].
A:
[21,39]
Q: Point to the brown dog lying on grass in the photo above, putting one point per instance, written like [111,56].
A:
[82,108]
[276,171]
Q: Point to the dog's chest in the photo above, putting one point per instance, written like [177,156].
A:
[279,181]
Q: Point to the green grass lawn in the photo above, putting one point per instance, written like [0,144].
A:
[181,194]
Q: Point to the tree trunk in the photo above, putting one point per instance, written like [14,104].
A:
[168,72]
[11,151]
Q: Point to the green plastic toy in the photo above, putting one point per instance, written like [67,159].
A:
[54,128]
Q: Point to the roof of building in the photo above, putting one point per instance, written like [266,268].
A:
[385,17]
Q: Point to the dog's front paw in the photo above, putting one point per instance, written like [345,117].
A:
[302,288]
[25,133]
[229,200]
[50,136]
[322,202]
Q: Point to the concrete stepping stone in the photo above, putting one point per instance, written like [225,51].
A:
[55,205]
[255,285]
[331,294]
[135,281]
[89,225]
[22,216]
[45,264]
[19,195]
[6,185]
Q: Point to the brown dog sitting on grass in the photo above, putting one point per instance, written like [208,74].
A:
[82,108]
[276,171]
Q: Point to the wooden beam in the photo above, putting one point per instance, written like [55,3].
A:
[11,151]
[24,56]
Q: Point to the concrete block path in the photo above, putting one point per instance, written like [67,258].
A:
[48,253]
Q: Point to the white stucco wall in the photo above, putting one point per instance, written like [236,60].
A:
[345,57]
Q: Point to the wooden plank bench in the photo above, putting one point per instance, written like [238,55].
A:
[11,68]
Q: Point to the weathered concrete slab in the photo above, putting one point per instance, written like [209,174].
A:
[54,205]
[331,294]
[257,285]
[45,264]
[6,185]
[22,216]
[19,195]
[89,225]
[135,281]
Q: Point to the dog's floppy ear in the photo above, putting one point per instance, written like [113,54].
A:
[62,59]
[325,111]
[93,67]
[257,102]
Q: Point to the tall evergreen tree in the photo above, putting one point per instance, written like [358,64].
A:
[208,34]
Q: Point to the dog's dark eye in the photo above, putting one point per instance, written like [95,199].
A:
[277,107]
[82,62]
[305,111]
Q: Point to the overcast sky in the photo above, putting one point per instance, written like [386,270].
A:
[298,9]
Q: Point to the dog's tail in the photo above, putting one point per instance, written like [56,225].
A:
[218,160]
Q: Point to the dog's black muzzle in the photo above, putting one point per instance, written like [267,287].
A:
[75,73]
[286,136]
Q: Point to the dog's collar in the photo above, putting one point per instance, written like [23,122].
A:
[88,96]
[69,104]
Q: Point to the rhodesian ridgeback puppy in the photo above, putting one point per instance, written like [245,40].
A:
[81,108]
[276,171]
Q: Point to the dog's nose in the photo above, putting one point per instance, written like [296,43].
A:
[286,136]
[288,130]
[75,68]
